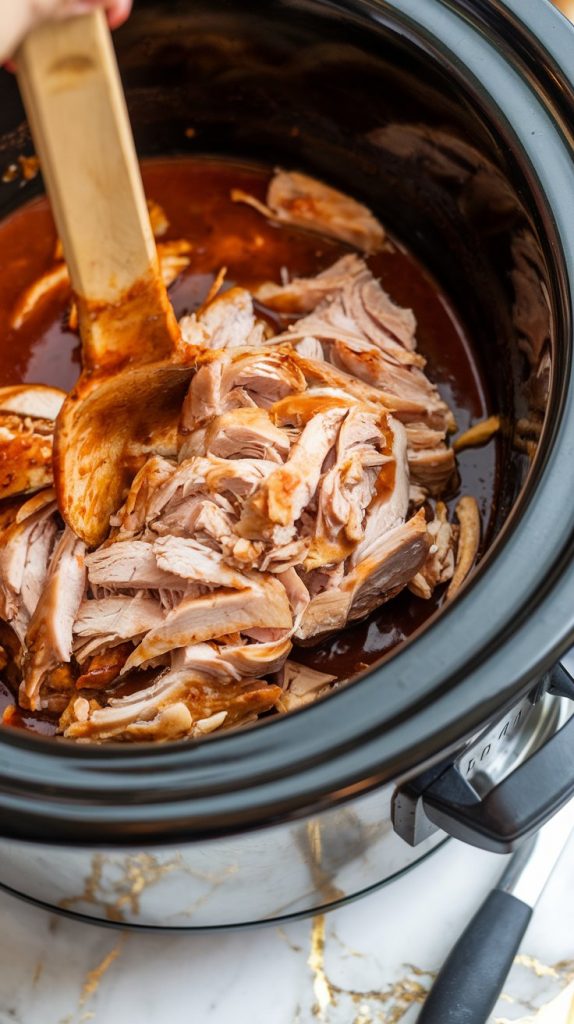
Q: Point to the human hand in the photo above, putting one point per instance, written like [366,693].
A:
[18,17]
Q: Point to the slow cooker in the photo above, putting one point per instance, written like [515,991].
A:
[453,120]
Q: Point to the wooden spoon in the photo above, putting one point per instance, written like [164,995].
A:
[133,380]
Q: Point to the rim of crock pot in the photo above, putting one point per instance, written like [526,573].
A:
[477,656]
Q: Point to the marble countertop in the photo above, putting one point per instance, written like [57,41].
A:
[368,963]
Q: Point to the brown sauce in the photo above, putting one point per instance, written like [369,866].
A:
[195,195]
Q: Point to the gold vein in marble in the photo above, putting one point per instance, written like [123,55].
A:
[559,1010]
[364,1015]
[292,945]
[536,966]
[322,988]
[94,977]
[397,998]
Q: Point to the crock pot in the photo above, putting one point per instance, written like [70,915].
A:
[452,120]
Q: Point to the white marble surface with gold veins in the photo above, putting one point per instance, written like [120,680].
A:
[369,963]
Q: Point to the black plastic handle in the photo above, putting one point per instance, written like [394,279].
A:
[515,808]
[472,977]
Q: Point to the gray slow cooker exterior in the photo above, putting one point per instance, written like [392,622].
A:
[270,874]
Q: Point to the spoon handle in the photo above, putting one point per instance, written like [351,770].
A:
[70,84]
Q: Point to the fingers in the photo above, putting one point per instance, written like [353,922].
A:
[18,18]
[118,12]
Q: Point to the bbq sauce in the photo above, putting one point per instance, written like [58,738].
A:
[194,194]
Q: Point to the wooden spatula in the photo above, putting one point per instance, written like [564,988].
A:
[132,379]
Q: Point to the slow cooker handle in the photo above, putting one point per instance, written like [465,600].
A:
[519,805]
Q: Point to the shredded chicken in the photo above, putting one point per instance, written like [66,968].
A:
[158,220]
[468,516]
[274,507]
[27,415]
[278,508]
[180,704]
[48,641]
[439,564]
[480,433]
[302,685]
[294,198]
[173,258]
[26,543]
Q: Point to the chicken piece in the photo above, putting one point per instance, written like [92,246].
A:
[204,398]
[302,685]
[296,592]
[227,321]
[158,218]
[468,516]
[297,410]
[131,518]
[179,704]
[235,477]
[389,506]
[224,481]
[347,489]
[387,566]
[345,317]
[25,548]
[227,660]
[173,259]
[439,565]
[36,401]
[205,660]
[104,668]
[407,391]
[354,324]
[276,559]
[432,469]
[333,596]
[346,300]
[27,413]
[129,565]
[163,442]
[263,376]
[295,198]
[255,659]
[197,517]
[53,281]
[108,621]
[49,636]
[285,493]
[420,436]
[189,560]
[392,328]
[304,294]
[321,374]
[196,619]
[310,348]
[480,433]
[327,612]
[266,375]
[248,434]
